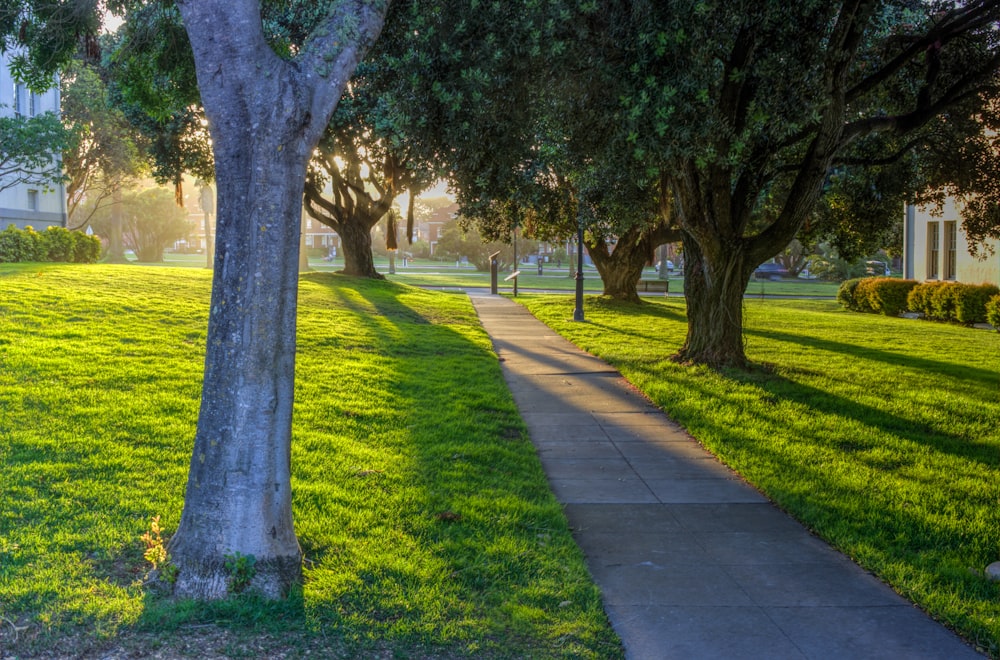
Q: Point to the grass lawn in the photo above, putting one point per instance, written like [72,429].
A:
[426,522]
[881,434]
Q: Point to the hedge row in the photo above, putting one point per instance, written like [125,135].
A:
[53,244]
[993,312]
[952,301]
[941,301]
[882,295]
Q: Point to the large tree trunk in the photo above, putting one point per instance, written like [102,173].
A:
[621,268]
[238,496]
[266,117]
[714,292]
[356,243]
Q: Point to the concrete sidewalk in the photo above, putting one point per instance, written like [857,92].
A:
[692,562]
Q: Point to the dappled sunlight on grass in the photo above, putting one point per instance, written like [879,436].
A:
[882,434]
[424,515]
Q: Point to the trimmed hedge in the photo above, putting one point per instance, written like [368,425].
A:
[882,295]
[993,312]
[952,301]
[53,244]
[846,294]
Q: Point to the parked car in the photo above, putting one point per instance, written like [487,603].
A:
[877,268]
[770,271]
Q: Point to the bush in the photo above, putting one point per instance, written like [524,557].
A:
[846,294]
[993,312]
[919,298]
[943,301]
[971,300]
[888,295]
[58,243]
[21,245]
[86,249]
[885,295]
[864,295]
[54,244]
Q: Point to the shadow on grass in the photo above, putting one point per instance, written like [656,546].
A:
[947,369]
[419,502]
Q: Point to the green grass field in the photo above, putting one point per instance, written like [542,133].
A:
[880,434]
[427,525]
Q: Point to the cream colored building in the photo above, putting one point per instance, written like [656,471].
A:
[29,205]
[935,248]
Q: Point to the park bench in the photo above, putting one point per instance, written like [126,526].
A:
[654,285]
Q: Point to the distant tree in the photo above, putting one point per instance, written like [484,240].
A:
[105,156]
[460,239]
[151,222]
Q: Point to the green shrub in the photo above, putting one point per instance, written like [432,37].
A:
[846,294]
[58,244]
[86,249]
[970,302]
[888,295]
[864,294]
[54,244]
[16,245]
[993,312]
[919,298]
[943,301]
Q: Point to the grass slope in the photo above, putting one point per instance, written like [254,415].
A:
[425,518]
[881,434]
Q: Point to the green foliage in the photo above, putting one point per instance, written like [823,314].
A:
[943,301]
[106,153]
[993,312]
[241,569]
[54,244]
[29,150]
[847,295]
[881,295]
[59,244]
[401,414]
[886,295]
[970,302]
[952,301]
[151,221]
[876,432]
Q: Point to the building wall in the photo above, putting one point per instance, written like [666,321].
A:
[24,205]
[935,248]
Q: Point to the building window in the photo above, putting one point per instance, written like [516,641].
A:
[32,200]
[18,99]
[933,249]
[950,249]
[32,101]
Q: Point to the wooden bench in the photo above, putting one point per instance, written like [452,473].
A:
[654,285]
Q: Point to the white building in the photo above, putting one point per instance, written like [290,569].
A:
[936,248]
[24,205]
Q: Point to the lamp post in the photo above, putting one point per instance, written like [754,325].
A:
[578,312]
[514,241]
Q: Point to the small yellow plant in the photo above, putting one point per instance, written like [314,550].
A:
[156,551]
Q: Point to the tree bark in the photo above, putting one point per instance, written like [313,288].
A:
[621,268]
[714,292]
[356,242]
[266,117]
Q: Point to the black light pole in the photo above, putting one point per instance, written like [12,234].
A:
[514,241]
[578,312]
